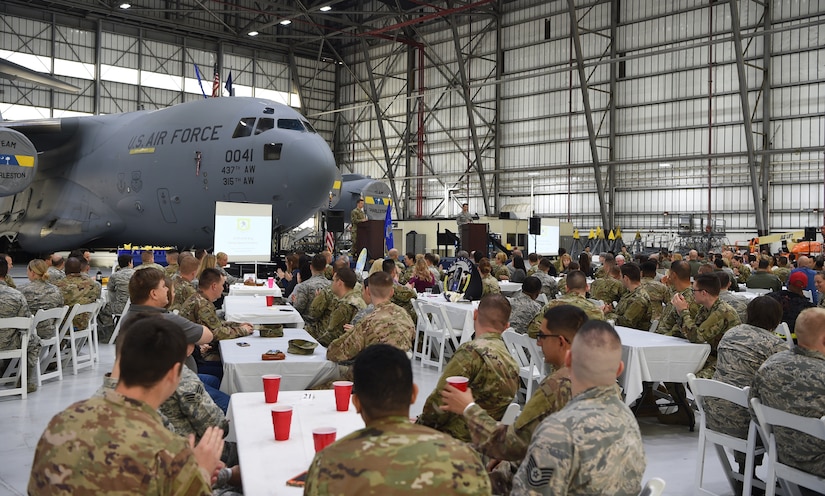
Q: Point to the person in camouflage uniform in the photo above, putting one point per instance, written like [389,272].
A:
[509,442]
[792,381]
[117,294]
[40,295]
[7,279]
[410,260]
[13,304]
[222,260]
[199,309]
[819,280]
[356,217]
[524,306]
[549,286]
[575,296]
[486,362]
[763,279]
[633,309]
[391,456]
[320,310]
[306,291]
[499,269]
[172,267]
[78,289]
[402,295]
[742,350]
[347,302]
[147,259]
[608,261]
[781,270]
[387,324]
[679,279]
[659,293]
[489,284]
[184,281]
[608,289]
[713,319]
[742,271]
[593,445]
[740,304]
[117,443]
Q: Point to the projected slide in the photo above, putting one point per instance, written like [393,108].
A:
[546,243]
[243,231]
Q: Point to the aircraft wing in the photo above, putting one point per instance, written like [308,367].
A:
[12,72]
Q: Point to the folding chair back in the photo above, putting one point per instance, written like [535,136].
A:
[784,331]
[511,414]
[119,318]
[708,388]
[50,347]
[436,333]
[526,353]
[654,487]
[790,477]
[80,338]
[16,369]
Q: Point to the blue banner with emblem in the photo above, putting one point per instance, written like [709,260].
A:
[388,229]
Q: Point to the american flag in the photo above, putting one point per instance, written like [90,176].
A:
[216,85]
[329,242]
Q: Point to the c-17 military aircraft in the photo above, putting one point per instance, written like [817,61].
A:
[153,177]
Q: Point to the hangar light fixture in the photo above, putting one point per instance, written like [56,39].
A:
[665,166]
[253,33]
[286,22]
[125,5]
[325,8]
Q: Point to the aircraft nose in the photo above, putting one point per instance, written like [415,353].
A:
[318,170]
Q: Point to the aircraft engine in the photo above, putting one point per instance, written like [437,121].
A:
[18,162]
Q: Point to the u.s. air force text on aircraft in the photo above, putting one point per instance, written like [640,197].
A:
[183,135]
[8,144]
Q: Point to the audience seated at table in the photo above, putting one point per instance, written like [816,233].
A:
[308,288]
[117,443]
[609,288]
[486,362]
[489,284]
[401,295]
[500,270]
[184,280]
[575,295]
[386,324]
[391,456]
[659,293]
[742,350]
[678,278]
[549,286]
[524,306]
[792,381]
[762,279]
[519,270]
[738,303]
[593,444]
[335,307]
[633,309]
[506,445]
[793,301]
[199,309]
[422,279]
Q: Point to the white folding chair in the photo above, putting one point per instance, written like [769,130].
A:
[122,314]
[50,347]
[78,338]
[435,334]
[654,487]
[530,371]
[511,414]
[94,341]
[708,388]
[783,330]
[16,370]
[789,477]
[654,324]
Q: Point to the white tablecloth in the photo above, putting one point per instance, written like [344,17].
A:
[460,314]
[253,309]
[508,288]
[651,357]
[242,290]
[268,464]
[243,367]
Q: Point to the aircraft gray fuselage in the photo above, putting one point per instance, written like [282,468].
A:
[153,177]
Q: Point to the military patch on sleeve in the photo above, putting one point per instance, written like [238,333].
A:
[538,476]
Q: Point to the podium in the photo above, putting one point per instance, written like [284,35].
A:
[370,235]
[474,238]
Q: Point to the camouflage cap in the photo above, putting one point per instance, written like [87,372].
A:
[301,347]
[272,331]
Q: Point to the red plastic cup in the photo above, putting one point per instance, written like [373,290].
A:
[323,437]
[343,390]
[281,421]
[270,281]
[458,382]
[272,384]
[270,300]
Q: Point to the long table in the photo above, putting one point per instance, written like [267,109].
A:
[651,357]
[243,290]
[508,288]
[253,309]
[243,367]
[268,464]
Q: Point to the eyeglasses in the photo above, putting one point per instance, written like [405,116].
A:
[539,336]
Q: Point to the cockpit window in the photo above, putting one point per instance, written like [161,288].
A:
[309,127]
[264,124]
[272,151]
[291,124]
[244,127]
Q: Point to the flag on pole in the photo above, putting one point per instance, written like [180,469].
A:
[200,79]
[388,229]
[329,242]
[216,85]
[228,84]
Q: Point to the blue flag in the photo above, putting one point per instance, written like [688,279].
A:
[200,79]
[388,229]
[228,84]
